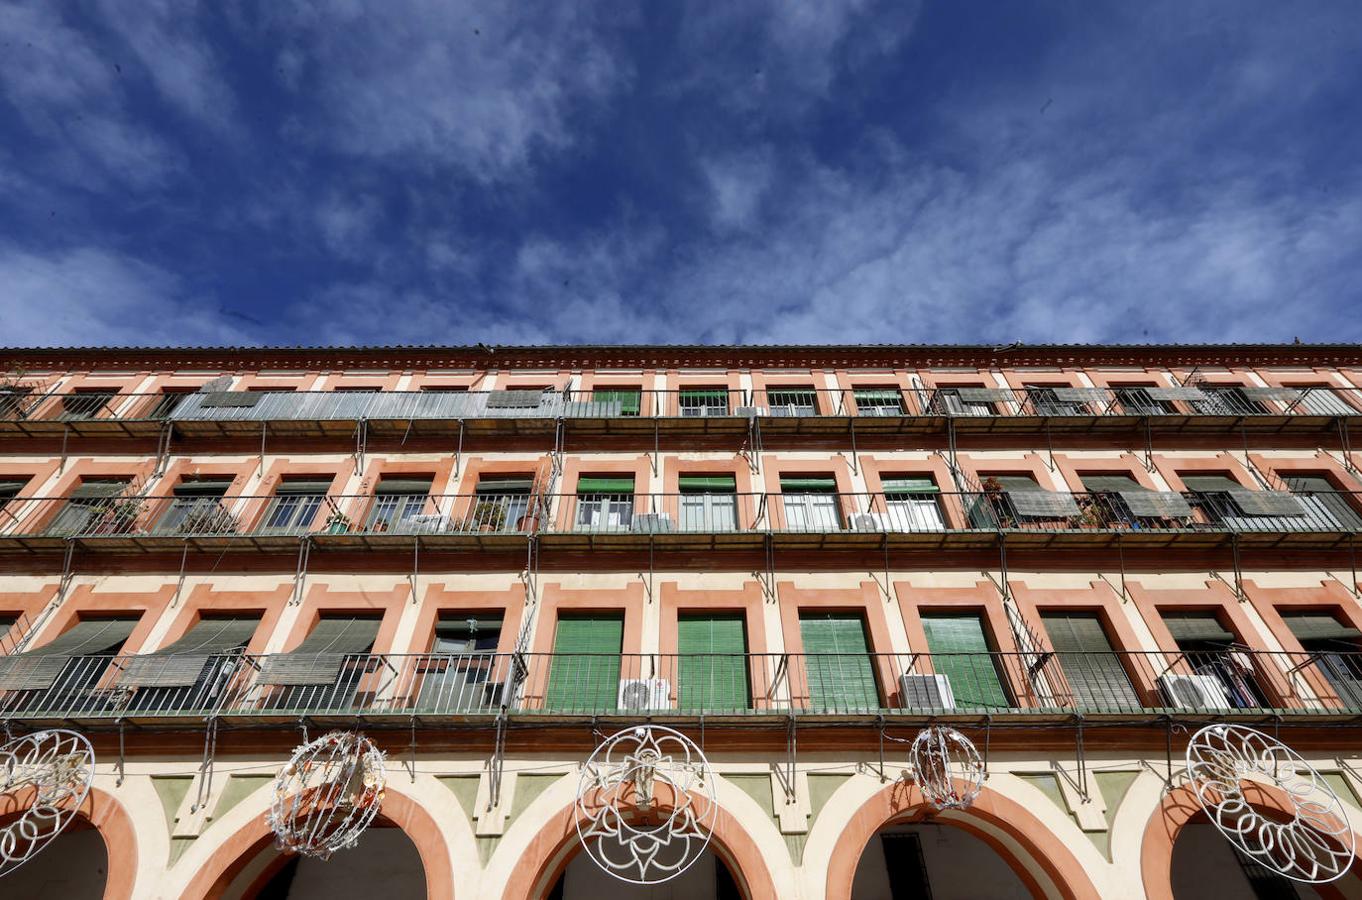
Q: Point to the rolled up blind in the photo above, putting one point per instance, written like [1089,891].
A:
[38,668]
[179,664]
[906,485]
[1196,628]
[605,485]
[318,659]
[707,483]
[808,483]
[1319,626]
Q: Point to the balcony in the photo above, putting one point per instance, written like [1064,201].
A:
[718,521]
[779,410]
[1234,682]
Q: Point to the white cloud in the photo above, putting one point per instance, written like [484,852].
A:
[737,184]
[90,296]
[425,82]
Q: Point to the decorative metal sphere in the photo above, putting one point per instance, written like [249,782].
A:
[645,804]
[47,774]
[327,794]
[948,770]
[1316,846]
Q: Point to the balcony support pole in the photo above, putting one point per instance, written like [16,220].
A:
[122,757]
[210,744]
[260,466]
[179,583]
[950,447]
[855,470]
[458,450]
[1352,553]
[791,748]
[415,565]
[656,447]
[880,724]
[300,574]
[163,448]
[1049,445]
[412,773]
[496,763]
[361,444]
[65,433]
[1148,446]
[1345,442]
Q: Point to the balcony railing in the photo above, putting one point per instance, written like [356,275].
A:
[1228,681]
[1056,402]
[711,513]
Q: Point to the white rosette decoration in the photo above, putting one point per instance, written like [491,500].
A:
[1315,846]
[326,796]
[947,768]
[47,775]
[645,804]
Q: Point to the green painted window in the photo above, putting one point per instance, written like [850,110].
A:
[585,673]
[960,651]
[628,399]
[837,662]
[1095,674]
[712,670]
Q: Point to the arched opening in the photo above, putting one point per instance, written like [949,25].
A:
[384,865]
[1203,857]
[933,859]
[74,865]
[708,879]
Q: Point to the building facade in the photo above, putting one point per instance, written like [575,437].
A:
[488,560]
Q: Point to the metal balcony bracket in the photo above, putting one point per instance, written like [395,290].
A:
[300,575]
[1345,442]
[768,575]
[163,448]
[880,725]
[950,443]
[260,465]
[67,571]
[855,462]
[656,448]
[179,582]
[458,450]
[122,757]
[1049,446]
[1352,557]
[210,746]
[786,773]
[1079,784]
[1148,445]
[61,461]
[413,750]
[361,444]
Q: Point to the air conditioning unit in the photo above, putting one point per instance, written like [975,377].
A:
[653,523]
[868,522]
[926,691]
[751,411]
[645,693]
[1194,691]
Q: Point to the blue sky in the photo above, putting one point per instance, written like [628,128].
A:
[438,172]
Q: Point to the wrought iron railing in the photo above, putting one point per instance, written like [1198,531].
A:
[611,403]
[1226,681]
[709,512]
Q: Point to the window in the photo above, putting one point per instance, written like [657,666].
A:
[960,651]
[324,671]
[1226,676]
[9,490]
[708,502]
[617,402]
[906,865]
[396,502]
[809,503]
[464,682]
[197,508]
[965,401]
[194,671]
[712,669]
[605,503]
[1045,401]
[703,402]
[1094,672]
[14,401]
[911,503]
[1135,400]
[82,405]
[1335,649]
[167,403]
[293,510]
[1018,501]
[585,671]
[93,508]
[837,662]
[63,672]
[1326,504]
[503,502]
[1227,401]
[878,402]
[792,402]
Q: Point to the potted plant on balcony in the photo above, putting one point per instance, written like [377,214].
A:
[487,515]
[119,516]
[208,519]
[337,523]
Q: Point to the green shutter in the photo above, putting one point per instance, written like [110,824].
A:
[707,394]
[1017,483]
[1094,672]
[595,485]
[712,670]
[837,663]
[960,651]
[1110,483]
[804,483]
[1210,484]
[629,400]
[1319,626]
[585,673]
[726,483]
[877,397]
[908,486]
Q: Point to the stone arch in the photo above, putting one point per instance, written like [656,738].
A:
[228,858]
[901,802]
[555,844]
[1179,808]
[108,817]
